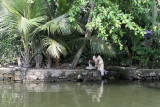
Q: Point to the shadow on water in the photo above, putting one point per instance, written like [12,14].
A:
[80,94]
[152,84]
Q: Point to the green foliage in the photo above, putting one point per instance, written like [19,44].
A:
[117,21]
[9,49]
[107,20]
[63,6]
[76,8]
[138,9]
[30,1]
[147,57]
[142,56]
[118,29]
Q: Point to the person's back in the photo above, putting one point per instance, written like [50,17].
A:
[99,63]
[98,58]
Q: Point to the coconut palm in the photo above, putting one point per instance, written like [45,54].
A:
[22,16]
[56,25]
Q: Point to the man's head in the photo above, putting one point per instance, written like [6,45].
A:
[96,55]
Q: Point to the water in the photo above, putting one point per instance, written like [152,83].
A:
[73,94]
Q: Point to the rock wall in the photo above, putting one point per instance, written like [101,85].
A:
[62,75]
[53,75]
[128,73]
[50,75]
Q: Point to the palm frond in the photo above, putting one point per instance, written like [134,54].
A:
[77,26]
[9,16]
[17,16]
[100,46]
[13,6]
[97,45]
[59,24]
[53,47]
[26,25]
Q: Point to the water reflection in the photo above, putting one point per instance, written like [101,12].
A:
[97,96]
[116,94]
[18,94]
[10,98]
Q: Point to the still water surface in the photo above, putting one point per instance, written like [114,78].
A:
[73,94]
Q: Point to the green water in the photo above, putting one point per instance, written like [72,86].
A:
[73,94]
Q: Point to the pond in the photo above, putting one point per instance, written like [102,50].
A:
[74,94]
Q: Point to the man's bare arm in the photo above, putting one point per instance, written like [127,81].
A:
[91,60]
[97,63]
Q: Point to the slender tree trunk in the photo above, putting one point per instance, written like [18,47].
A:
[36,58]
[78,55]
[26,52]
[26,59]
[51,17]
[87,34]
[49,62]
[154,13]
[131,58]
[129,54]
[19,61]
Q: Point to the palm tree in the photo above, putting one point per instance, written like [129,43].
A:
[22,16]
[57,24]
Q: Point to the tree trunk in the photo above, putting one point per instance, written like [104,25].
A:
[26,59]
[131,58]
[38,59]
[49,62]
[154,13]
[78,55]
[19,61]
[87,34]
[51,17]
[57,61]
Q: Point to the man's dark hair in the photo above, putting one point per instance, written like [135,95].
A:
[96,54]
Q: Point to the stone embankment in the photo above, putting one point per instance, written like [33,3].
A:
[53,75]
[128,73]
[49,75]
[62,75]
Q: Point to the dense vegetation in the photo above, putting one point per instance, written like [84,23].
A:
[49,33]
